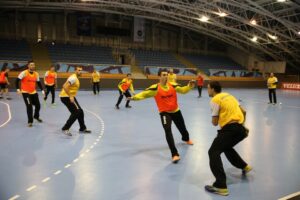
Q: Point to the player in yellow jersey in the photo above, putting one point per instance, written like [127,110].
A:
[272,84]
[229,115]
[172,77]
[68,97]
[96,81]
[165,95]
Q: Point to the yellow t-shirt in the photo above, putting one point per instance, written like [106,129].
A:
[272,82]
[96,77]
[227,108]
[74,86]
[172,78]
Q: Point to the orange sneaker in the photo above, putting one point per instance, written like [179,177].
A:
[175,159]
[189,142]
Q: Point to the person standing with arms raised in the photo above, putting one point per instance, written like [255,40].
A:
[165,95]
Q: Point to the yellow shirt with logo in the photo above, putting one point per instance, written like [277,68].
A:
[272,82]
[172,78]
[227,108]
[74,86]
[96,77]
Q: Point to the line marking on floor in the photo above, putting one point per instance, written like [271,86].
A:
[9,114]
[46,180]
[290,196]
[29,189]
[14,197]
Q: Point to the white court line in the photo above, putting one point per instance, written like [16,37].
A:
[67,165]
[262,102]
[46,179]
[31,188]
[290,196]
[9,114]
[14,197]
[57,172]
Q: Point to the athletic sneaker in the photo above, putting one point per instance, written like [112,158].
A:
[215,190]
[246,131]
[29,124]
[8,98]
[247,169]
[67,132]
[189,142]
[39,120]
[117,107]
[85,131]
[175,159]
[53,105]
[128,106]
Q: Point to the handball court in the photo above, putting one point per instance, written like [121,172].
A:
[127,158]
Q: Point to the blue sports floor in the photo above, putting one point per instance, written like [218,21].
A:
[127,158]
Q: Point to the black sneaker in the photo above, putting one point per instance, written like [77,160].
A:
[39,120]
[128,106]
[117,107]
[219,191]
[86,131]
[8,98]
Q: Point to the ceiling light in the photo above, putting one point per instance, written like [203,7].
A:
[298,32]
[273,37]
[254,39]
[222,14]
[204,19]
[281,0]
[253,22]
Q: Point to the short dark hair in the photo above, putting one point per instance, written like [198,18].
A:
[4,67]
[162,70]
[29,61]
[216,86]
[129,74]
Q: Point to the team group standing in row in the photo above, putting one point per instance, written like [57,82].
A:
[226,111]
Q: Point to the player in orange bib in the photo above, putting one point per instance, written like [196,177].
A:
[124,87]
[50,81]
[165,95]
[29,78]
[4,83]
[199,84]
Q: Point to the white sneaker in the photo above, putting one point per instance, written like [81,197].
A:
[67,132]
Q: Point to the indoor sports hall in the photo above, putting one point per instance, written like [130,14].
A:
[90,88]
